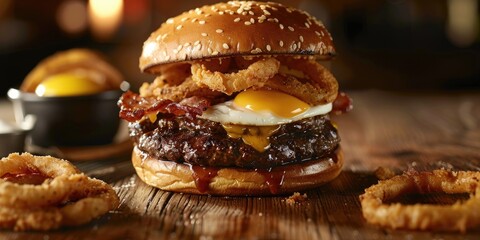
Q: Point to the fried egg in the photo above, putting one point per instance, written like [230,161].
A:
[263,108]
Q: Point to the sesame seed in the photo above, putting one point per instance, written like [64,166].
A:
[170,20]
[167,57]
[175,51]
[237,20]
[186,44]
[275,19]
[316,32]
[184,19]
[244,13]
[215,53]
[179,27]
[204,34]
[307,25]
[208,15]
[201,22]
[252,20]
[209,50]
[251,13]
[221,12]
[269,48]
[226,46]
[196,42]
[219,30]
[291,28]
[281,26]
[289,10]
[248,23]
[194,20]
[281,43]
[299,45]
[301,38]
[266,12]
[179,47]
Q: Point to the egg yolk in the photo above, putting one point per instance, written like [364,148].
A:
[280,104]
[67,84]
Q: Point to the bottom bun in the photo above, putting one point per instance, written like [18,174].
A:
[177,177]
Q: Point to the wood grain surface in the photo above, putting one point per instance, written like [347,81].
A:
[423,131]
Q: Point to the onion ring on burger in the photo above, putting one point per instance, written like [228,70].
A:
[319,84]
[457,217]
[255,75]
[59,196]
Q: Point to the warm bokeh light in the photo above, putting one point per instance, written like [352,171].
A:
[462,25]
[72,16]
[105,17]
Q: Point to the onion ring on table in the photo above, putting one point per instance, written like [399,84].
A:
[65,198]
[457,217]
[254,76]
[83,206]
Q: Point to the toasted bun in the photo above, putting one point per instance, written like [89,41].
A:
[236,28]
[171,176]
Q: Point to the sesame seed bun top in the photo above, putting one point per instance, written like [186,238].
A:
[236,28]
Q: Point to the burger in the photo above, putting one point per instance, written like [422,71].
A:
[240,104]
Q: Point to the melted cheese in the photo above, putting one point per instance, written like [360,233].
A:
[256,136]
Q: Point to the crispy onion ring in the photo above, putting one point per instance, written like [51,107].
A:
[457,217]
[318,87]
[188,88]
[65,198]
[255,75]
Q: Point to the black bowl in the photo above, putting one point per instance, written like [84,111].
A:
[69,121]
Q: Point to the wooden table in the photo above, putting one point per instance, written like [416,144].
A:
[423,131]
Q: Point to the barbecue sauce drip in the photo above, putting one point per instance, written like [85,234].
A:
[274,180]
[26,177]
[342,104]
[203,177]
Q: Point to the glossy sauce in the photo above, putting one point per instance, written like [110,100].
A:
[342,104]
[274,180]
[203,177]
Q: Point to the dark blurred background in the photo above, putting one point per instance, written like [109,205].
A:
[394,44]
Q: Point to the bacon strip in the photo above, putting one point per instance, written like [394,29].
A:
[133,107]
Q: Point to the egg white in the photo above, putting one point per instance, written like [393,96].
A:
[229,113]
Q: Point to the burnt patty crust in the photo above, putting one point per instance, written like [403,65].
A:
[206,143]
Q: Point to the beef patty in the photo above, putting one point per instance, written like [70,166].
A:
[206,143]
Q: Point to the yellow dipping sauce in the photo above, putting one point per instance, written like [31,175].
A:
[67,84]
